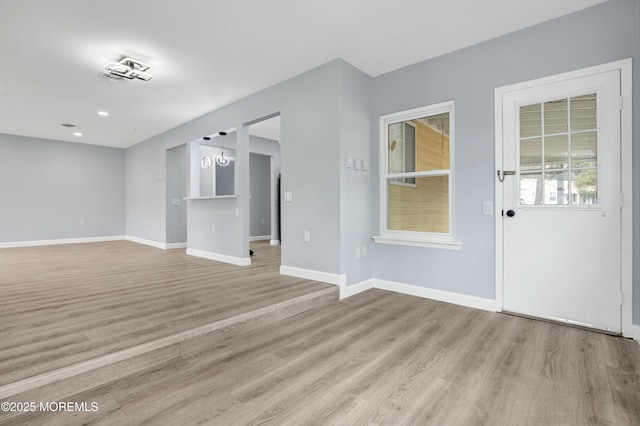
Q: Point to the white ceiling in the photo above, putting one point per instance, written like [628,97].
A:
[206,54]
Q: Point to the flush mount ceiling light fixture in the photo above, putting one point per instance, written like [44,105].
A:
[127,68]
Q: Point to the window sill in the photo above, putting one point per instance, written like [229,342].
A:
[415,242]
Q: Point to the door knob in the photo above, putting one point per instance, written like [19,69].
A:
[511,213]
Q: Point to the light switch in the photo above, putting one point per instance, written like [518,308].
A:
[349,162]
[288,196]
[356,164]
[307,236]
[176,201]
[357,252]
[237,212]
[365,165]
[487,208]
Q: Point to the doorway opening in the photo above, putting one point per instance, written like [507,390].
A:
[176,189]
[264,178]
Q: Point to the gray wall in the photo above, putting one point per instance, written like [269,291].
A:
[177,174]
[332,112]
[601,34]
[309,162]
[356,186]
[47,187]
[260,203]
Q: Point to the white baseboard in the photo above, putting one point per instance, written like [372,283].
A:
[308,274]
[172,246]
[155,244]
[61,241]
[443,296]
[239,261]
[274,242]
[260,238]
[347,291]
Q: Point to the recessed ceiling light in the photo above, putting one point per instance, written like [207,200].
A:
[68,125]
[103,113]
[77,134]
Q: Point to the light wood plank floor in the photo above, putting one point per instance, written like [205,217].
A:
[383,358]
[64,304]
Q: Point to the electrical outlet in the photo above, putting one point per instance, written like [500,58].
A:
[288,196]
[307,236]
[82,222]
[176,201]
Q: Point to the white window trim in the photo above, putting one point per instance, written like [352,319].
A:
[416,238]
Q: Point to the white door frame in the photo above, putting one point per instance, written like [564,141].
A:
[626,176]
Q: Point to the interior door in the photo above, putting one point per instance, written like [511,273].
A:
[561,205]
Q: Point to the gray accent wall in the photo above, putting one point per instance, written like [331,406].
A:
[47,187]
[604,33]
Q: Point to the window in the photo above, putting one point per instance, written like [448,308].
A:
[416,182]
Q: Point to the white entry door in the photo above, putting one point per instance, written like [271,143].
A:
[561,206]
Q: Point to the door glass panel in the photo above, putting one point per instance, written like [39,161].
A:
[584,150]
[555,117]
[583,113]
[531,154]
[584,187]
[530,121]
[556,152]
[531,189]
[559,167]
[556,187]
